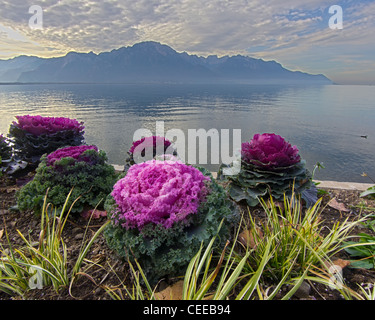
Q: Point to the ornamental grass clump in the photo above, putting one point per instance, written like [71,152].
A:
[148,148]
[297,246]
[82,168]
[270,166]
[34,136]
[47,262]
[162,211]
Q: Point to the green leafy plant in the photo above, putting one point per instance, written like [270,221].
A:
[269,167]
[14,274]
[368,291]
[363,250]
[180,213]
[199,283]
[370,221]
[296,238]
[221,274]
[140,290]
[202,281]
[370,192]
[82,168]
[30,267]
[318,166]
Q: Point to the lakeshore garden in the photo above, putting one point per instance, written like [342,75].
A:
[74,228]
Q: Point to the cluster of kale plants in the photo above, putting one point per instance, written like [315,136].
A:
[160,211]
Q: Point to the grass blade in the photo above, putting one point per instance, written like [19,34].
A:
[250,286]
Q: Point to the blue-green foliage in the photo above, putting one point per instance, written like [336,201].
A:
[253,183]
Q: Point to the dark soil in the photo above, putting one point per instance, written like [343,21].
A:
[110,272]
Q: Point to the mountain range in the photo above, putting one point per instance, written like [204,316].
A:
[149,62]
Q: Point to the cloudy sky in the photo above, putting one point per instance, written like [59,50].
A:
[296,33]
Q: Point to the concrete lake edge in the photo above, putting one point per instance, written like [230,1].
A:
[355,186]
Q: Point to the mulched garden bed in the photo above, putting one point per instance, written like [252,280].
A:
[110,272]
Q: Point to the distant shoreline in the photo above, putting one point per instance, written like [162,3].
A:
[138,83]
[301,83]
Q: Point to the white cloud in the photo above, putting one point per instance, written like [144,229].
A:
[288,31]
[187,24]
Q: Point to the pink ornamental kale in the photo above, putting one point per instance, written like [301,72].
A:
[269,151]
[38,125]
[75,152]
[152,141]
[159,192]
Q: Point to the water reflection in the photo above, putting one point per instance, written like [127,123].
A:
[325,122]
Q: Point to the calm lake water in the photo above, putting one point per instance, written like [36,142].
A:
[325,122]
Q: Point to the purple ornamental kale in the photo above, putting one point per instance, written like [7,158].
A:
[159,192]
[269,151]
[152,141]
[75,152]
[38,125]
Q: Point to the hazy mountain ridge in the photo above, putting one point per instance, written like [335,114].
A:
[148,62]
